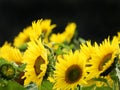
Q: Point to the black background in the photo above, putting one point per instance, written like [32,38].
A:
[96,19]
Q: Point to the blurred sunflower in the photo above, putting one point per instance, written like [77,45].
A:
[10,53]
[118,35]
[36,59]
[34,31]
[70,71]
[25,36]
[104,57]
[65,36]
[46,27]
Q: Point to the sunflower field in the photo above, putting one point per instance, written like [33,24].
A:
[40,59]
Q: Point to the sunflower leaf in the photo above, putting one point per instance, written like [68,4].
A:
[46,85]
[32,86]
[2,61]
[103,88]
[22,67]
[100,79]
[81,40]
[3,82]
[59,51]
[11,85]
[89,87]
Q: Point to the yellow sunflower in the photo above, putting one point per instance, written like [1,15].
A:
[34,31]
[36,59]
[25,36]
[57,38]
[69,31]
[70,71]
[88,49]
[65,36]
[103,58]
[46,26]
[43,26]
[118,35]
[10,53]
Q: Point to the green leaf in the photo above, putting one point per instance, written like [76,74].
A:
[21,67]
[89,87]
[46,85]
[81,40]
[114,76]
[2,61]
[103,88]
[3,82]
[32,86]
[100,79]
[12,85]
[59,51]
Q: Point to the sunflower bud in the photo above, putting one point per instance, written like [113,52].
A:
[7,71]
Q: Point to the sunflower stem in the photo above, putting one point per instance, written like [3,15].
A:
[118,85]
[79,87]
[46,46]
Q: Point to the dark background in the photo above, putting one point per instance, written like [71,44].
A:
[96,19]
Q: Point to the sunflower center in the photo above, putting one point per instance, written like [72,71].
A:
[104,61]
[44,30]
[37,65]
[27,39]
[73,74]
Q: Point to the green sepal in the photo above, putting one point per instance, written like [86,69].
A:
[46,85]
[7,71]
[23,47]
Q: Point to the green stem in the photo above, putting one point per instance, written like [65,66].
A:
[114,86]
[118,84]
[49,49]
[79,87]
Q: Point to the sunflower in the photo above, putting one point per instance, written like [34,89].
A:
[65,36]
[34,31]
[103,58]
[46,26]
[10,53]
[88,49]
[69,31]
[25,36]
[36,59]
[70,71]
[57,38]
[118,35]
